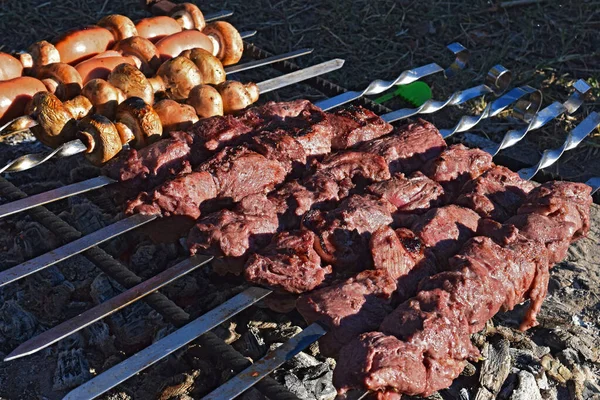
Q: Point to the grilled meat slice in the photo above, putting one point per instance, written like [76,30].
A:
[232,233]
[390,253]
[496,194]
[288,263]
[456,166]
[427,337]
[408,148]
[348,308]
[355,125]
[445,229]
[344,232]
[181,196]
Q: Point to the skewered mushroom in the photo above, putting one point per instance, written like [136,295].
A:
[206,101]
[189,16]
[175,116]
[55,124]
[176,78]
[229,45]
[210,67]
[132,82]
[78,45]
[237,96]
[104,97]
[101,138]
[144,50]
[135,118]
[120,26]
[60,79]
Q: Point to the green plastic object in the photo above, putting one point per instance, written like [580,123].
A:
[415,93]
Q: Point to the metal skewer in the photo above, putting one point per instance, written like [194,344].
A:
[159,350]
[543,117]
[576,136]
[406,77]
[217,15]
[76,146]
[528,102]
[594,183]
[497,81]
[107,308]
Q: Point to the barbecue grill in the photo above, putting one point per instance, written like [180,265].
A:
[245,374]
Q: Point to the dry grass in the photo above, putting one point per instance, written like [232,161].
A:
[547,44]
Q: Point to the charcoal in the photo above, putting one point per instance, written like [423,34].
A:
[149,259]
[85,216]
[251,344]
[16,324]
[556,370]
[179,385]
[50,293]
[74,341]
[527,388]
[98,335]
[317,380]
[494,369]
[33,239]
[72,369]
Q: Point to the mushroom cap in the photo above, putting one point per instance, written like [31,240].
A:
[253,91]
[10,67]
[175,116]
[68,81]
[141,119]
[144,50]
[119,25]
[210,67]
[179,75]
[206,100]
[104,97]
[101,137]
[189,16]
[43,53]
[235,96]
[231,45]
[132,82]
[55,124]
[78,106]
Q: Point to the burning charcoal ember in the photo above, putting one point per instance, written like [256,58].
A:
[72,369]
[17,325]
[456,166]
[409,147]
[251,344]
[289,263]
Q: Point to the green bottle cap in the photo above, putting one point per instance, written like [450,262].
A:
[415,93]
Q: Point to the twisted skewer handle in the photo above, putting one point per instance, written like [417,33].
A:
[497,81]
[543,117]
[525,97]
[379,86]
[575,137]
[33,160]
